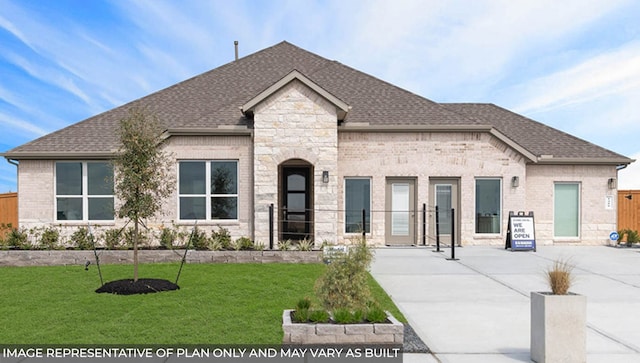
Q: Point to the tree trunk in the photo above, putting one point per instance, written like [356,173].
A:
[135,250]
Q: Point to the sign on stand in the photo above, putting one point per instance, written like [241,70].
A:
[521,232]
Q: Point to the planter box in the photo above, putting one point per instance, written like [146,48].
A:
[558,328]
[71,257]
[374,333]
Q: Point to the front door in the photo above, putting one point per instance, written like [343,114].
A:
[295,202]
[444,194]
[400,218]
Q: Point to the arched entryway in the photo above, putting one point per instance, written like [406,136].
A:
[295,199]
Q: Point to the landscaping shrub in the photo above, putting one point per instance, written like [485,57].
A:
[17,238]
[50,238]
[199,240]
[168,238]
[81,239]
[344,316]
[305,245]
[376,314]
[284,245]
[344,284]
[300,316]
[221,237]
[319,316]
[113,238]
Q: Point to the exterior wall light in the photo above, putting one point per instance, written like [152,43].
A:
[325,176]
[515,182]
[611,183]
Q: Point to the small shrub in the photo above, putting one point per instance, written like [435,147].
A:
[629,236]
[300,316]
[305,245]
[318,316]
[343,316]
[222,236]
[242,243]
[199,240]
[376,314]
[168,238]
[304,303]
[143,237]
[50,238]
[215,245]
[259,246]
[359,315]
[17,238]
[560,277]
[284,245]
[344,284]
[81,239]
[112,238]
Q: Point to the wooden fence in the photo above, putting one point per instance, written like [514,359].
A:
[8,211]
[629,209]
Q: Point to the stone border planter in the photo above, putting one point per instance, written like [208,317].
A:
[558,327]
[70,257]
[307,333]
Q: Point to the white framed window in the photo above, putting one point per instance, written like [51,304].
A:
[566,209]
[357,196]
[208,190]
[488,205]
[84,191]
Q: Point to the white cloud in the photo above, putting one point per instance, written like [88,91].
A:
[28,127]
[613,73]
[629,177]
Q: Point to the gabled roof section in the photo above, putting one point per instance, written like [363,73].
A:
[341,107]
[213,102]
[545,144]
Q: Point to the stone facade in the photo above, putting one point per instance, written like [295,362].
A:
[296,123]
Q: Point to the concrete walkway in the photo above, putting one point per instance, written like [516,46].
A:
[477,309]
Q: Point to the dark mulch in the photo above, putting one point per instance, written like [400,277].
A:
[142,286]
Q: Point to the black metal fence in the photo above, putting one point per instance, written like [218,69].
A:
[299,224]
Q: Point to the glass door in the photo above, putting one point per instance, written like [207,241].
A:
[295,204]
[401,212]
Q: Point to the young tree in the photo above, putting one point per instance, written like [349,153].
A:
[142,177]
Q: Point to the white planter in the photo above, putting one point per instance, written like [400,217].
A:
[558,328]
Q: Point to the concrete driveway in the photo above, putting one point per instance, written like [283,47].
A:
[477,309]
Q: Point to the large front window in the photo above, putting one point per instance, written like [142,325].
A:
[488,205]
[208,190]
[84,191]
[357,197]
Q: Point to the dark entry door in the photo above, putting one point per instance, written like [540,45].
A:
[296,203]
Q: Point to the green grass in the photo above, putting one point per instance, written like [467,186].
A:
[216,304]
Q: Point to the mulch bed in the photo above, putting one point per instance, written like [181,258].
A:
[142,286]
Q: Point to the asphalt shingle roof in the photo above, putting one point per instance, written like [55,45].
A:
[214,98]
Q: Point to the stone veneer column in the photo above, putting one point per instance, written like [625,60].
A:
[296,123]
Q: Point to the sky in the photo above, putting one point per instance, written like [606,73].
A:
[573,65]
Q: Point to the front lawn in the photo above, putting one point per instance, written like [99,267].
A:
[216,304]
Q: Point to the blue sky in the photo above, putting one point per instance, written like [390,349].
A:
[573,65]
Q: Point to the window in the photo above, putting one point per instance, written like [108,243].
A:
[208,190]
[84,191]
[357,197]
[488,209]
[566,209]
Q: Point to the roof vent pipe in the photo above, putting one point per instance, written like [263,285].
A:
[235,43]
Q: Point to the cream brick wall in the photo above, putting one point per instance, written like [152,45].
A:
[596,221]
[424,155]
[209,148]
[295,123]
[35,193]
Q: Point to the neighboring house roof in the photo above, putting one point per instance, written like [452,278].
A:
[213,102]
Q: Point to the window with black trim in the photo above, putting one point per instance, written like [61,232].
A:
[357,196]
